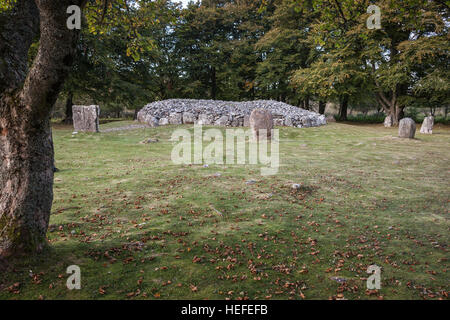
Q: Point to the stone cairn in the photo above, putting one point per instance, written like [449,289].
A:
[407,128]
[225,113]
[86,118]
[427,125]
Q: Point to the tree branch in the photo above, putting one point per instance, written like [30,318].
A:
[341,13]
[18,29]
[54,58]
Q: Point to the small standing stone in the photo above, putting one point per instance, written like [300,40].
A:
[389,121]
[86,118]
[427,125]
[261,119]
[407,128]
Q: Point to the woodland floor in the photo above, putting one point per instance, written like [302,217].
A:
[141,227]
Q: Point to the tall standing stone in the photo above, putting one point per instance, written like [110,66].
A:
[261,119]
[86,118]
[407,128]
[427,125]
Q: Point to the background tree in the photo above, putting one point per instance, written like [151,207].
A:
[357,58]
[285,48]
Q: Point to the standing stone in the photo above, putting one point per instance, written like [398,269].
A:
[188,118]
[205,119]
[86,118]
[175,118]
[427,125]
[389,121]
[222,121]
[407,128]
[163,121]
[261,119]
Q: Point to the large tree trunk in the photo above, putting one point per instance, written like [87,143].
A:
[322,105]
[26,100]
[343,108]
[26,191]
[306,103]
[390,106]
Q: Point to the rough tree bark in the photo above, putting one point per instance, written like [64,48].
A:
[26,100]
[343,108]
[322,106]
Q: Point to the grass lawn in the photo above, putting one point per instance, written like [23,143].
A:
[140,227]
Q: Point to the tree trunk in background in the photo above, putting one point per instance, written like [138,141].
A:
[26,100]
[69,103]
[343,108]
[306,103]
[322,105]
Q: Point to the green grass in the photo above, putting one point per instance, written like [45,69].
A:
[140,227]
